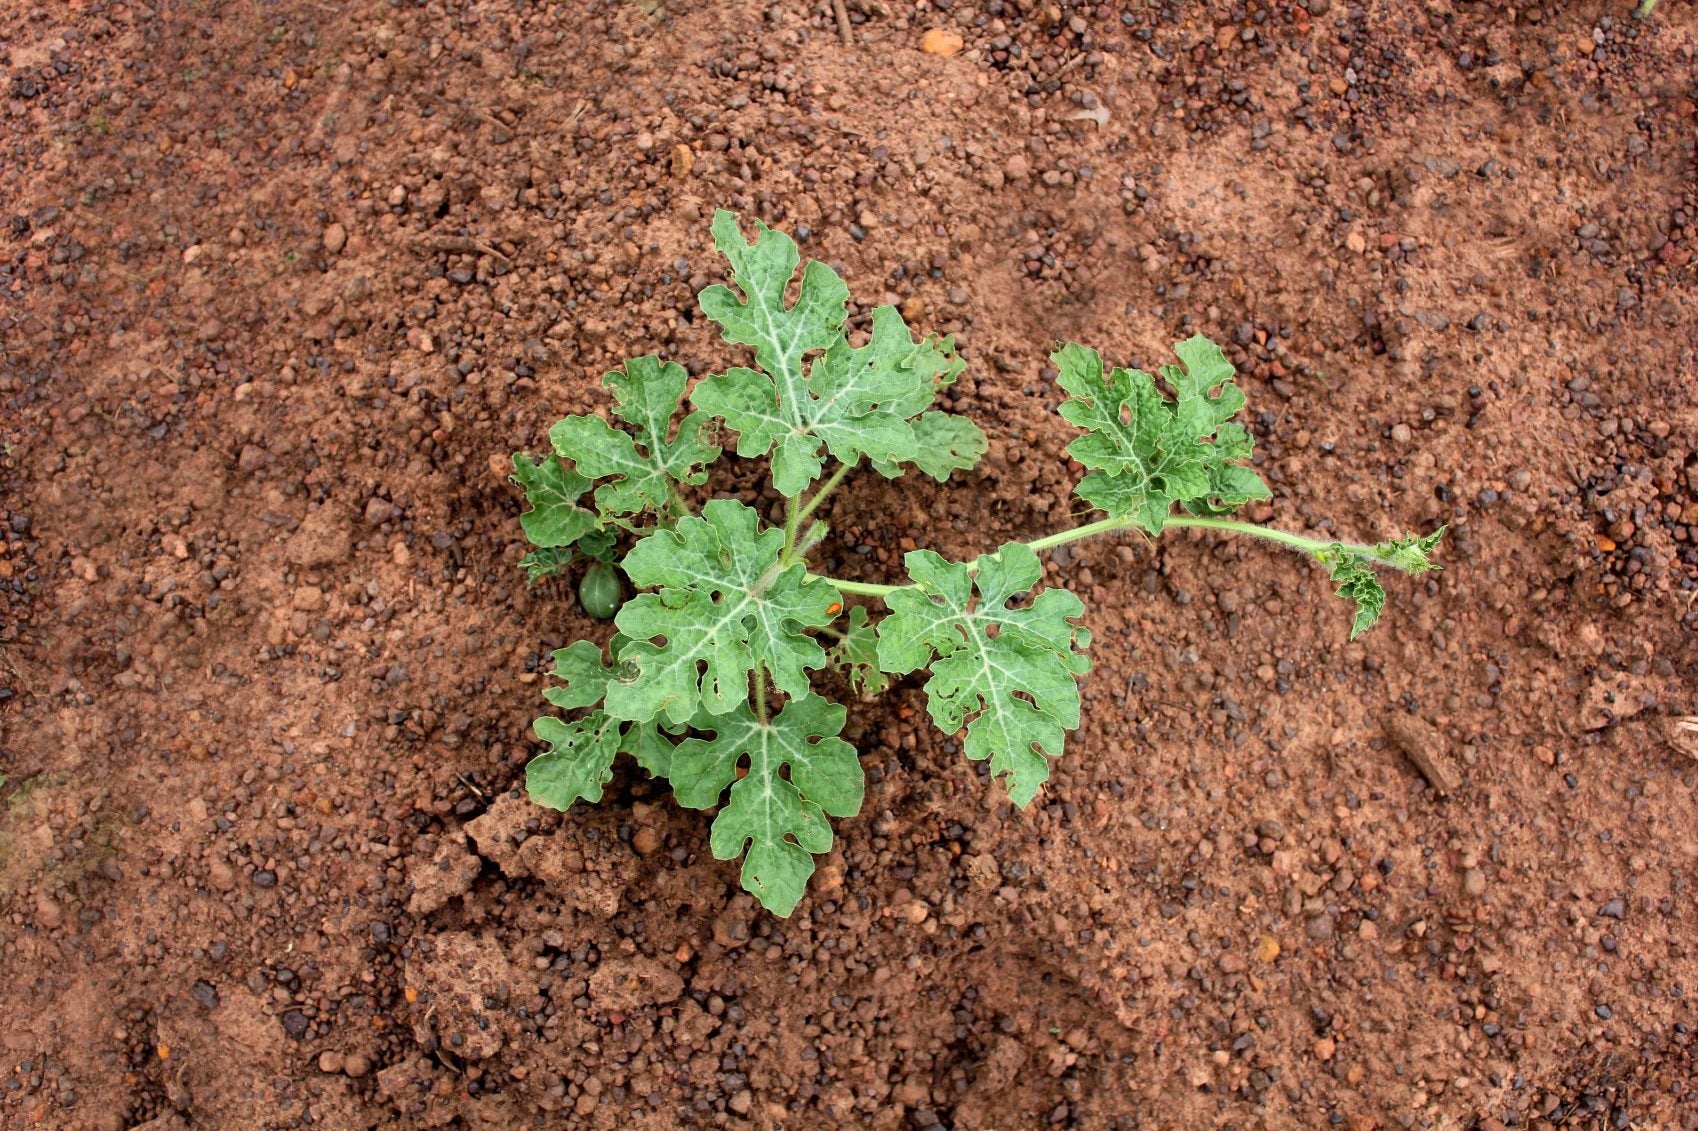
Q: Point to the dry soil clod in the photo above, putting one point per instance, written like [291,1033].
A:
[1425,747]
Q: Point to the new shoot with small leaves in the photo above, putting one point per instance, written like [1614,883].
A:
[709,680]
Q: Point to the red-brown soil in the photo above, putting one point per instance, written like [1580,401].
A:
[282,285]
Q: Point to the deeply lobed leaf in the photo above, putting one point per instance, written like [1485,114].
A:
[1148,452]
[579,758]
[853,402]
[1008,674]
[643,471]
[1353,570]
[798,773]
[857,653]
[724,606]
[555,519]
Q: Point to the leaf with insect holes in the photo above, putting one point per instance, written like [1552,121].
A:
[1353,570]
[579,758]
[555,519]
[799,771]
[1148,452]
[724,607]
[855,402]
[647,394]
[586,676]
[578,761]
[1010,675]
[857,654]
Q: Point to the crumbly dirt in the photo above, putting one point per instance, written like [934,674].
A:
[282,284]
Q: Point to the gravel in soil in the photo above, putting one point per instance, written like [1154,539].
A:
[282,285]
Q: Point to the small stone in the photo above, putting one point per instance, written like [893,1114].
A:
[205,995]
[646,841]
[1268,949]
[48,913]
[330,1062]
[223,876]
[379,511]
[1614,909]
[1018,168]
[356,1065]
[1474,882]
[1319,928]
[335,238]
[295,1024]
[940,42]
[308,599]
[1324,1048]
[265,878]
[742,1102]
[1401,433]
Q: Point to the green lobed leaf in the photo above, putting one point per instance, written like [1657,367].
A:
[553,491]
[1411,553]
[586,677]
[539,565]
[1354,571]
[855,402]
[578,761]
[643,470]
[651,749]
[943,443]
[779,819]
[1147,452]
[723,607]
[1356,582]
[857,654]
[1008,674]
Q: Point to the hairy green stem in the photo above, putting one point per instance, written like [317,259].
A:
[813,536]
[760,693]
[1114,525]
[796,544]
[792,521]
[1285,538]
[864,588]
[828,487]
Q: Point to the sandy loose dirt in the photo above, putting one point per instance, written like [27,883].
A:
[282,284]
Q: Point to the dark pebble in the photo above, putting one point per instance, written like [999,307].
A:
[1614,909]
[205,995]
[295,1024]
[380,933]
[265,878]
[1604,1013]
